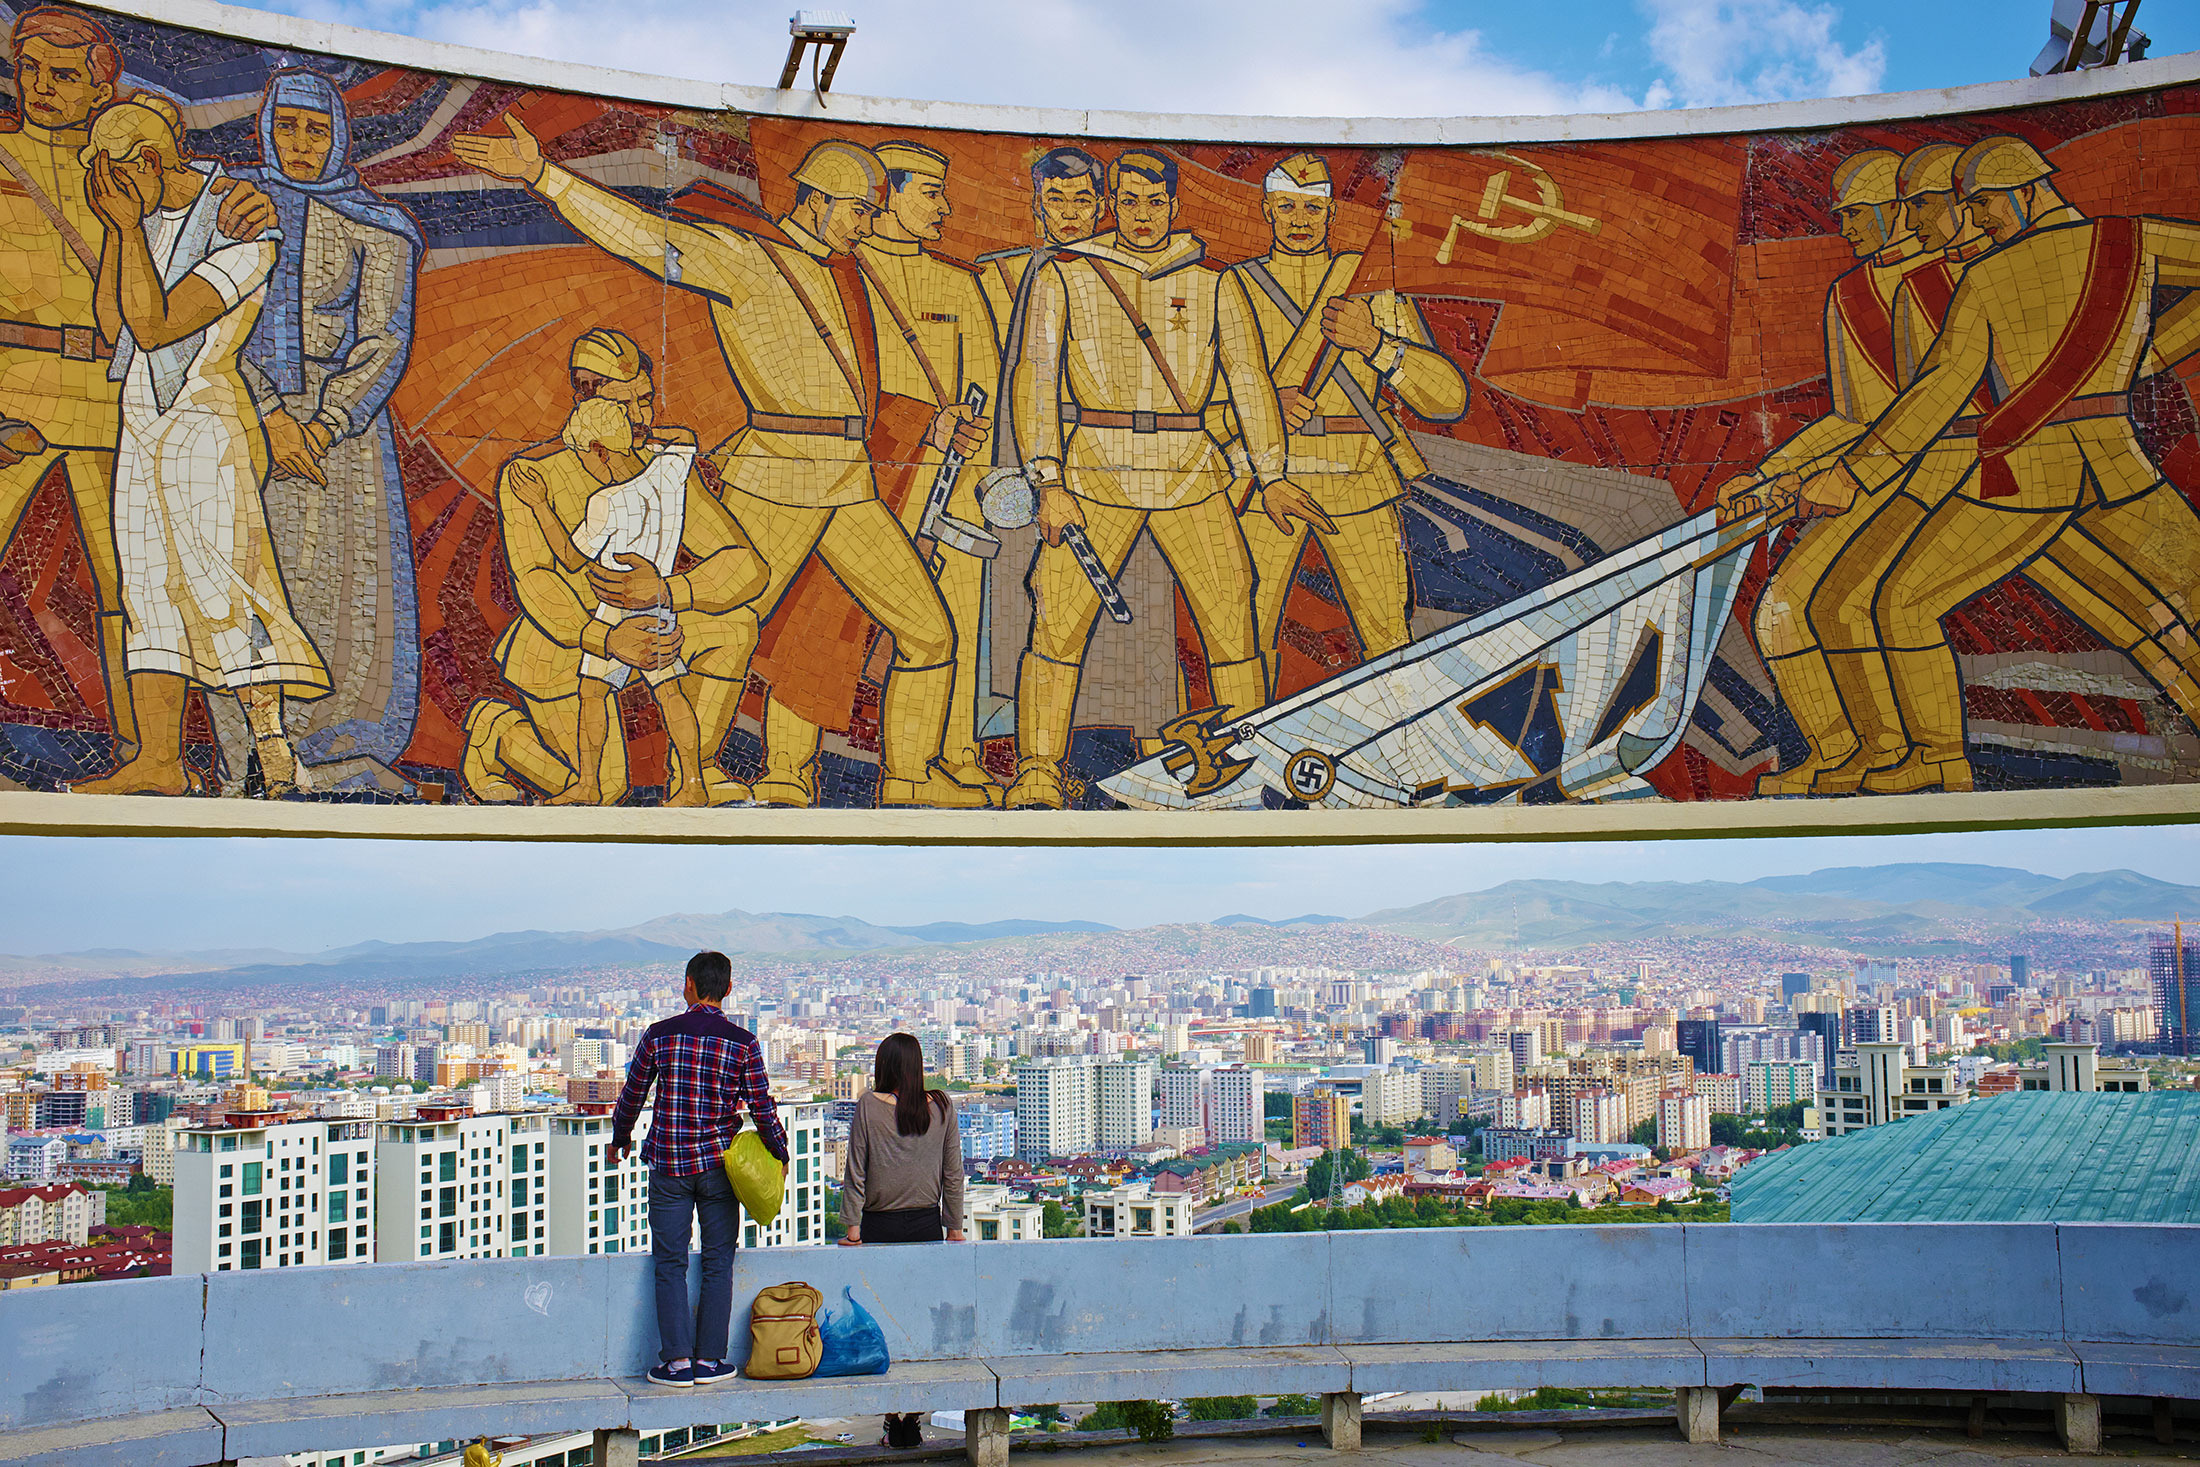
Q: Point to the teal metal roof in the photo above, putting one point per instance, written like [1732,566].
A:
[2024,1157]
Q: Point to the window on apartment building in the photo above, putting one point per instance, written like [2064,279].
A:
[338,1210]
[447,1202]
[611,1188]
[250,1258]
[339,1169]
[447,1238]
[251,1180]
[447,1171]
[339,1247]
[251,1219]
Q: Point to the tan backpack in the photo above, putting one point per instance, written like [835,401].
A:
[783,1338]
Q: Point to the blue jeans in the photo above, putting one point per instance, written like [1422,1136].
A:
[673,1201]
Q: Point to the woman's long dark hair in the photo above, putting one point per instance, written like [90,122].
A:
[899,1072]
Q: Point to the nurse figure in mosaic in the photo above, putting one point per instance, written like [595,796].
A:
[331,343]
[205,601]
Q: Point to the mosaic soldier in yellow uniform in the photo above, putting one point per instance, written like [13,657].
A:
[942,341]
[1861,378]
[1346,447]
[2057,320]
[793,320]
[1066,206]
[57,403]
[2106,598]
[1129,337]
[540,653]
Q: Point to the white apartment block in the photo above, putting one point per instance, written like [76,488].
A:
[1133,1211]
[1684,1121]
[1525,1110]
[1222,1102]
[1057,1108]
[991,1214]
[274,1194]
[1724,1092]
[1493,1069]
[1443,1086]
[451,1184]
[1781,1082]
[1882,1087]
[1391,1097]
[1599,1116]
[1124,1113]
[594,1207]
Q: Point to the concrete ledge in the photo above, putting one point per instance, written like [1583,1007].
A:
[31,813]
[2139,1370]
[912,1385]
[1035,1380]
[1524,1365]
[183,1438]
[1900,1365]
[460,1413]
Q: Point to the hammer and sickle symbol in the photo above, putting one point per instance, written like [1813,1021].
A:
[1198,755]
[1545,212]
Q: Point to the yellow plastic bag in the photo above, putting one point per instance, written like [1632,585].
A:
[759,1178]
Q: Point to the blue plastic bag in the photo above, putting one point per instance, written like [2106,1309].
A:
[853,1342]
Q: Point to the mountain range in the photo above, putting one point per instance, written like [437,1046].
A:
[1916,910]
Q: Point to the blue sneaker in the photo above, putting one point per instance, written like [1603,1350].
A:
[665,1375]
[711,1372]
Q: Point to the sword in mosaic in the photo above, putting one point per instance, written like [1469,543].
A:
[942,528]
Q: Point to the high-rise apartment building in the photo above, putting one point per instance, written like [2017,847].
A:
[1882,1086]
[1599,1116]
[1391,1097]
[1684,1121]
[1070,1105]
[1781,1082]
[266,1191]
[592,1207]
[456,1184]
[1831,1028]
[1442,1087]
[1321,1116]
[1792,984]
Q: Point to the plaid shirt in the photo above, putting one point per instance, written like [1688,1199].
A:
[707,1069]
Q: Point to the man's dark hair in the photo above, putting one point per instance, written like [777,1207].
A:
[587,384]
[1153,167]
[1067,163]
[712,975]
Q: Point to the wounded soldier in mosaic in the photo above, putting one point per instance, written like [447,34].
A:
[535,745]
[639,511]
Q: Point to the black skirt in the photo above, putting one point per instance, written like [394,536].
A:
[911,1225]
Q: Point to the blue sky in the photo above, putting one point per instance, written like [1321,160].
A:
[1297,57]
[66,895]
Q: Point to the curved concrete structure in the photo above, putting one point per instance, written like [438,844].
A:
[1440,478]
[243,1364]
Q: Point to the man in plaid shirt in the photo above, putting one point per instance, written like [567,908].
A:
[707,1070]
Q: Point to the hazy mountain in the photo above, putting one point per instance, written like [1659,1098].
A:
[1308,919]
[1915,907]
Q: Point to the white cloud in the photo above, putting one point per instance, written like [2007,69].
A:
[1286,57]
[1718,53]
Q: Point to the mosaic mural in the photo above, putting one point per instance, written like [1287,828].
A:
[372,434]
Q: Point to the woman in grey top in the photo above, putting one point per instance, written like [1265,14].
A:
[902,1180]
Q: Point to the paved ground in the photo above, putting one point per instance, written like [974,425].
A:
[1760,1446]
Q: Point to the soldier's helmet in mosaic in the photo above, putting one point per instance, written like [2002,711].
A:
[842,170]
[1996,163]
[1866,178]
[1929,170]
